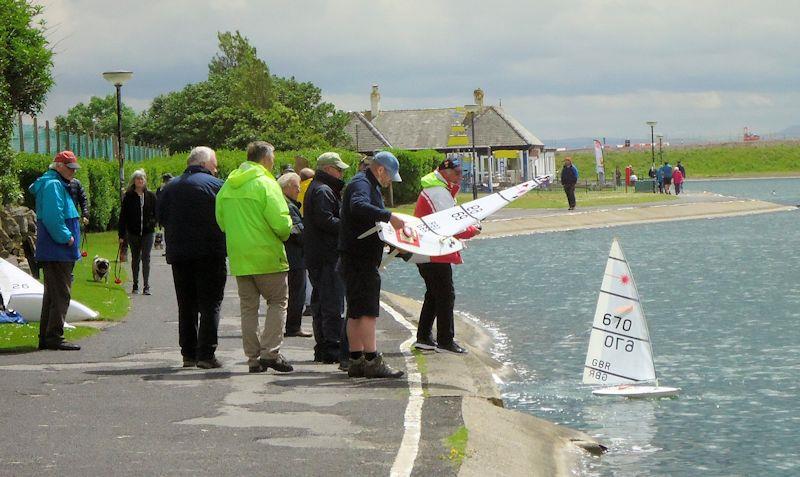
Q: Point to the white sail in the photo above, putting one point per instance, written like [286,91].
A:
[23,293]
[619,344]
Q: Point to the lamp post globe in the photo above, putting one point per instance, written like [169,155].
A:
[118,78]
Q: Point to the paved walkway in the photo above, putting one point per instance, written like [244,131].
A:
[124,406]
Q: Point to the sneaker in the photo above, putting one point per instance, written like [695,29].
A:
[299,334]
[135,290]
[209,363]
[428,344]
[279,364]
[255,367]
[307,311]
[189,363]
[344,365]
[146,290]
[356,368]
[451,348]
[378,369]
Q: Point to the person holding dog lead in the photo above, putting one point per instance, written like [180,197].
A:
[137,224]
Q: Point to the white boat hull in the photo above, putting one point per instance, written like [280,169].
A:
[632,391]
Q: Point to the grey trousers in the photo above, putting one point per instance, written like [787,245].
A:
[57,293]
[141,245]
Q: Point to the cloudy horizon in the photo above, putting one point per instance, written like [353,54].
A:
[564,69]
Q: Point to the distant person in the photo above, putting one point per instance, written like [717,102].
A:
[683,173]
[633,180]
[439,191]
[660,180]
[78,195]
[569,177]
[362,206]
[653,175]
[677,179]
[57,247]
[196,252]
[666,173]
[252,212]
[363,163]
[137,224]
[296,278]
[618,177]
[165,179]
[286,168]
[306,176]
[322,223]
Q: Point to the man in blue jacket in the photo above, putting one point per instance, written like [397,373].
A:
[362,206]
[58,238]
[196,251]
[569,177]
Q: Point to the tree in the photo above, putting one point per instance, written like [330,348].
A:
[99,117]
[25,78]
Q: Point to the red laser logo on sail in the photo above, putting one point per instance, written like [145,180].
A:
[625,279]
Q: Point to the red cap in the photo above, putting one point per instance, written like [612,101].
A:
[68,159]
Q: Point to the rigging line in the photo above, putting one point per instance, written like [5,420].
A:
[619,296]
[617,375]
[617,259]
[620,334]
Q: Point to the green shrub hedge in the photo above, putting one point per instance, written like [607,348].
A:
[100,176]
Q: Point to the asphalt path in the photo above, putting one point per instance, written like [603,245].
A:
[123,405]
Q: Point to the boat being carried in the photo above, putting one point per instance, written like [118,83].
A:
[620,352]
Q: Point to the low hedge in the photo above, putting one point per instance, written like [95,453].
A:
[100,176]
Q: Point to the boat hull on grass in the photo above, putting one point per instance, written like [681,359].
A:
[626,390]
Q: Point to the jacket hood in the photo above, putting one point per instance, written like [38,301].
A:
[48,176]
[247,172]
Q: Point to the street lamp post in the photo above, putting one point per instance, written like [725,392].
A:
[118,78]
[652,125]
[660,153]
[471,110]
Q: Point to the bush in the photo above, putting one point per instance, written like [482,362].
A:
[413,166]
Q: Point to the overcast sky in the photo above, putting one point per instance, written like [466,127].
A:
[563,68]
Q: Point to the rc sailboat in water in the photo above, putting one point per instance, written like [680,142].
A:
[620,353]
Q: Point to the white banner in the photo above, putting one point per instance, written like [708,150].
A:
[598,157]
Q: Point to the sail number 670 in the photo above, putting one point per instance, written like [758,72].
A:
[608,319]
[616,342]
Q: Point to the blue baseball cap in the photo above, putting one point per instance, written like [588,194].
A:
[387,160]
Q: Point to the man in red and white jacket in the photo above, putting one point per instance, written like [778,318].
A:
[439,189]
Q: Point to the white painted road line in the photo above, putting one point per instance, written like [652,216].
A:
[409,447]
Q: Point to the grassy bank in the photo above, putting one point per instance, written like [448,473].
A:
[108,299]
[726,160]
[556,199]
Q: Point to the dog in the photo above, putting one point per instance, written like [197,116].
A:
[159,241]
[100,268]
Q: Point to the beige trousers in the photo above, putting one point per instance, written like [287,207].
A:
[273,287]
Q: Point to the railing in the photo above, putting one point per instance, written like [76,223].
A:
[46,140]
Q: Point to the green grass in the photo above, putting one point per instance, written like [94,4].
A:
[456,443]
[108,299]
[422,361]
[23,338]
[723,160]
[556,199]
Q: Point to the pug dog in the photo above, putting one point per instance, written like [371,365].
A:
[100,268]
[159,241]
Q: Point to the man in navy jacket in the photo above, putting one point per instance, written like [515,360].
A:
[57,240]
[196,251]
[362,206]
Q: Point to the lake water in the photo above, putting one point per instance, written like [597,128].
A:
[722,298]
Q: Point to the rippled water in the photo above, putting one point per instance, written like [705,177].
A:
[722,298]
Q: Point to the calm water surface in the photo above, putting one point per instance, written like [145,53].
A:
[722,298]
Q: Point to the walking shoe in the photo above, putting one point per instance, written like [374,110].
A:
[428,344]
[298,333]
[378,369]
[451,348]
[189,363]
[279,364]
[307,311]
[135,290]
[209,363]
[356,368]
[146,290]
[344,365]
[254,366]
[63,346]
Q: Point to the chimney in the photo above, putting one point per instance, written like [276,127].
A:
[478,96]
[375,100]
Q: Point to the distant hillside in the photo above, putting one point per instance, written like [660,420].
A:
[727,160]
[790,132]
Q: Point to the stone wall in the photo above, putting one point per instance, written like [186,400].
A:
[17,227]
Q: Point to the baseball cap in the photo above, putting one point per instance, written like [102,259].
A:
[449,164]
[387,160]
[331,159]
[68,159]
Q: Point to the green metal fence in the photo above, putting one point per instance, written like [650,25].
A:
[47,140]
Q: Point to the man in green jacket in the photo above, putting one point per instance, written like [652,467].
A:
[253,214]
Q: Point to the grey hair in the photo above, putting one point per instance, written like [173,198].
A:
[200,156]
[136,174]
[287,178]
[258,149]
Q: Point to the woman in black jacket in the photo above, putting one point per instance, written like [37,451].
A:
[137,222]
